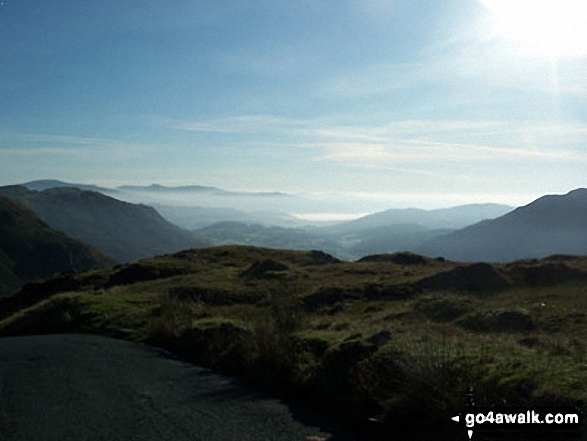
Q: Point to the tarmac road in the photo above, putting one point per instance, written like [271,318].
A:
[86,387]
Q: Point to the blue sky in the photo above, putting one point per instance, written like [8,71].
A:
[415,102]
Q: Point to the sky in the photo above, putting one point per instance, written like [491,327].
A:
[421,103]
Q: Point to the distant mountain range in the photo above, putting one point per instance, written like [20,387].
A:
[158,187]
[182,202]
[195,188]
[45,184]
[403,229]
[554,224]
[443,218]
[30,250]
[476,232]
[123,231]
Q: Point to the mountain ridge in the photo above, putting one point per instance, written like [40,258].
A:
[440,218]
[552,224]
[121,230]
[45,184]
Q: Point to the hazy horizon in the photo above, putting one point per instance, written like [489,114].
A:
[309,207]
[379,104]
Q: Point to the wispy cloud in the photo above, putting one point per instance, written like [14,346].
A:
[415,141]
[40,151]
[58,139]
[43,144]
[436,153]
[258,124]
[243,124]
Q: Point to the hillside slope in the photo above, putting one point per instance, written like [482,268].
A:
[553,224]
[123,231]
[30,250]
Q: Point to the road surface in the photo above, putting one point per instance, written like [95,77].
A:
[85,387]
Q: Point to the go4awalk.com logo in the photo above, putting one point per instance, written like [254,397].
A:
[546,423]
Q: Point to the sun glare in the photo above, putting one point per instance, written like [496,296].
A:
[554,28]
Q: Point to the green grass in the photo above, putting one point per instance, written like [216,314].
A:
[322,333]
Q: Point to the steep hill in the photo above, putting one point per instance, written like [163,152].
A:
[554,224]
[123,231]
[30,250]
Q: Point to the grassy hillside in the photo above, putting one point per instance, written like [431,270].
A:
[123,231]
[389,344]
[30,250]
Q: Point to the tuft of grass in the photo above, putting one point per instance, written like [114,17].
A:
[59,314]
[173,316]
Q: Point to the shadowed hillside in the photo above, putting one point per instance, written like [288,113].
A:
[123,231]
[30,250]
[554,224]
